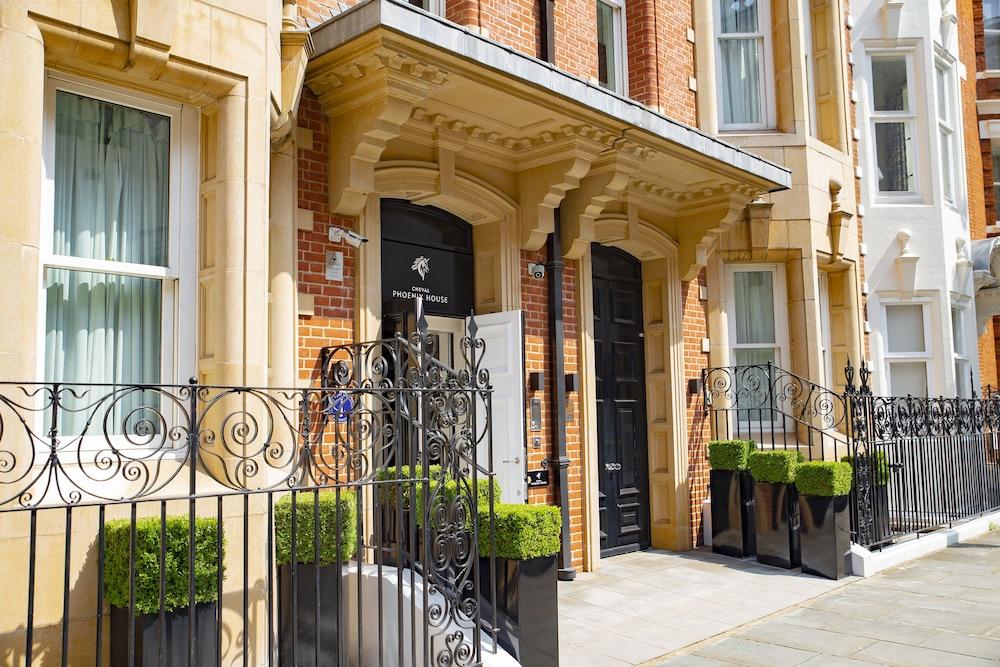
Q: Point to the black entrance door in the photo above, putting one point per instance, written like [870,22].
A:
[621,402]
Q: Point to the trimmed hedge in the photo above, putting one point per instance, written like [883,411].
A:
[305,513]
[880,467]
[730,454]
[823,478]
[451,490]
[776,466]
[387,491]
[523,532]
[147,562]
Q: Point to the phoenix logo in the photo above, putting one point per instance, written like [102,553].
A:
[422,265]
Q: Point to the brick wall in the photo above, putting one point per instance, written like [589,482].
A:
[694,329]
[333,320]
[660,57]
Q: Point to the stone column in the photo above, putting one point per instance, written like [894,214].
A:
[282,268]
[22,78]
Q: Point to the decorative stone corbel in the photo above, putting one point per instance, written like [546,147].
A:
[906,263]
[607,182]
[700,223]
[368,99]
[296,47]
[891,11]
[963,264]
[152,27]
[837,222]
[759,218]
[541,189]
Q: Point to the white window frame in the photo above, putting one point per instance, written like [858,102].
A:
[889,358]
[436,7]
[825,330]
[959,348]
[179,277]
[986,33]
[766,63]
[910,118]
[780,297]
[620,48]
[995,162]
[947,144]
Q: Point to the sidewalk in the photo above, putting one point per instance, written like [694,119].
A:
[942,611]
[641,606]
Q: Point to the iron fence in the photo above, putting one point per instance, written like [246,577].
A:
[919,463]
[198,525]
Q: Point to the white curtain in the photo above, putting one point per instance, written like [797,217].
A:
[753,308]
[111,204]
[741,63]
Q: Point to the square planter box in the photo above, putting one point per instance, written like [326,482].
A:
[527,608]
[733,523]
[304,631]
[177,646]
[826,535]
[777,512]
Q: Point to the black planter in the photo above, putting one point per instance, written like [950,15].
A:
[303,629]
[826,535]
[527,608]
[176,632]
[733,531]
[777,513]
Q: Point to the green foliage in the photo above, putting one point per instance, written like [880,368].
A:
[523,532]
[452,490]
[776,466]
[730,454]
[207,563]
[390,489]
[880,468]
[824,478]
[330,531]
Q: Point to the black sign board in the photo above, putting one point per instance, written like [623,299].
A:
[538,478]
[443,278]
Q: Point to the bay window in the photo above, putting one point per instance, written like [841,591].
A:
[991,33]
[892,123]
[907,355]
[744,64]
[611,57]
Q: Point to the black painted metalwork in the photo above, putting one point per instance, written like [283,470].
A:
[919,463]
[93,453]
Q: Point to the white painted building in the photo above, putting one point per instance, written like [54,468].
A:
[921,306]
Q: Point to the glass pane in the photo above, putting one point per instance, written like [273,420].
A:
[946,170]
[905,328]
[754,307]
[956,331]
[606,65]
[740,84]
[991,12]
[738,16]
[752,384]
[892,155]
[111,181]
[942,93]
[908,378]
[993,46]
[963,379]
[889,83]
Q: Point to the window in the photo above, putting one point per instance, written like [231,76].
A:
[742,29]
[963,368]
[946,128]
[893,118]
[611,45]
[111,244]
[991,32]
[807,40]
[906,353]
[432,6]
[826,337]
[996,181]
[756,332]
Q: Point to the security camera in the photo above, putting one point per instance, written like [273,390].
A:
[536,270]
[350,237]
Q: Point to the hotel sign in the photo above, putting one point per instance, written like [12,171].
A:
[442,278]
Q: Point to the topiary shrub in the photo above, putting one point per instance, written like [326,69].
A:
[776,466]
[407,482]
[880,467]
[329,529]
[451,490]
[730,454]
[823,478]
[207,562]
[523,532]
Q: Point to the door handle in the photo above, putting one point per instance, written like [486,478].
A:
[612,467]
[514,460]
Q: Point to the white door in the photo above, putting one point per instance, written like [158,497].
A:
[503,334]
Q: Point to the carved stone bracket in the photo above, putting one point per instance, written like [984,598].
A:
[296,47]
[541,190]
[759,218]
[703,219]
[152,27]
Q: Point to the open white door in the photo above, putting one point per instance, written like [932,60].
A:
[503,334]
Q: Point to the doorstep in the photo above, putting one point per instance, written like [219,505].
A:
[641,606]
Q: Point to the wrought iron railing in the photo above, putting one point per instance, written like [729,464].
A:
[389,439]
[919,463]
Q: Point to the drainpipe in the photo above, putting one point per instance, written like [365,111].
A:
[554,268]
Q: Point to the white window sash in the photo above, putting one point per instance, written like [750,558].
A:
[618,49]
[908,118]
[765,62]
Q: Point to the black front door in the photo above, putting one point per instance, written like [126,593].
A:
[621,402]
